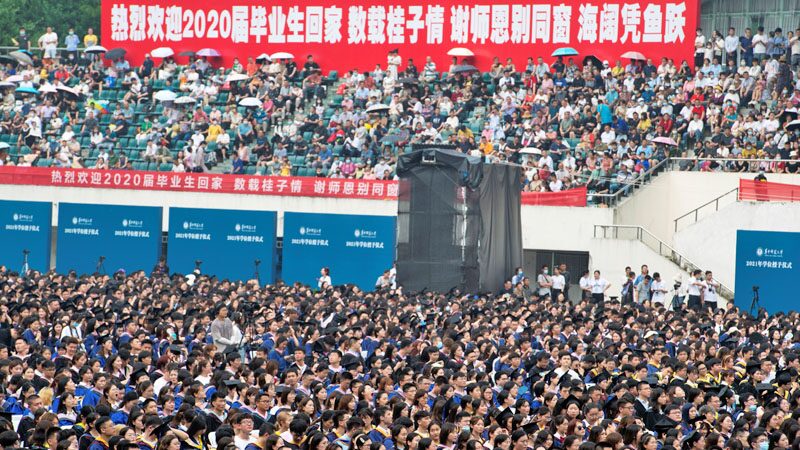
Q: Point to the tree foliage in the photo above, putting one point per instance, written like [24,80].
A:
[36,15]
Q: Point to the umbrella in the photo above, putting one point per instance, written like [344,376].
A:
[464,68]
[27,90]
[250,102]
[115,53]
[665,140]
[15,78]
[633,55]
[7,84]
[793,125]
[460,51]
[95,49]
[236,77]
[263,57]
[165,95]
[68,90]
[380,107]
[47,89]
[209,53]
[565,51]
[188,53]
[22,57]
[98,105]
[184,100]
[594,61]
[409,80]
[4,146]
[282,55]
[393,138]
[162,52]
[787,115]
[530,151]
[6,59]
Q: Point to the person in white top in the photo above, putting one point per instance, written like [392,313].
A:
[760,41]
[659,289]
[699,48]
[49,43]
[585,284]
[695,289]
[324,280]
[558,282]
[731,45]
[710,298]
[599,286]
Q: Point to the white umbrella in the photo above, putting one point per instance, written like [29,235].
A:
[95,49]
[380,107]
[7,84]
[162,52]
[460,51]
[263,57]
[282,55]
[530,151]
[236,77]
[209,53]
[4,146]
[250,102]
[68,90]
[14,78]
[165,96]
[184,100]
[47,89]
[633,55]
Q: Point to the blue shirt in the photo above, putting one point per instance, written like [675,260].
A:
[72,41]
[238,166]
[605,113]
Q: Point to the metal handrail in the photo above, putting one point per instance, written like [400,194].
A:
[637,182]
[662,247]
[696,211]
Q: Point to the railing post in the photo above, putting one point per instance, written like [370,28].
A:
[696,212]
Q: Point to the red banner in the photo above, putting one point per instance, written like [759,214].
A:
[570,197]
[358,35]
[199,182]
[765,191]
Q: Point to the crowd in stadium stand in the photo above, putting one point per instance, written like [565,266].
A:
[166,361]
[570,121]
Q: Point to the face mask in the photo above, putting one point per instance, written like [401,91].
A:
[465,429]
[763,445]
[545,271]
[752,408]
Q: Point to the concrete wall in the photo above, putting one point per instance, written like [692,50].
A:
[711,242]
[611,256]
[673,194]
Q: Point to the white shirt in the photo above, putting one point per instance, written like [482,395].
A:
[658,296]
[711,288]
[731,43]
[598,285]
[760,43]
[585,283]
[559,282]
[694,289]
[325,280]
[699,44]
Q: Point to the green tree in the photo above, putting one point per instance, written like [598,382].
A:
[36,15]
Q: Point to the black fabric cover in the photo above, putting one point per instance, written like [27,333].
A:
[500,246]
[441,227]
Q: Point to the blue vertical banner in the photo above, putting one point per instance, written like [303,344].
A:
[25,226]
[127,237]
[767,260]
[357,249]
[228,242]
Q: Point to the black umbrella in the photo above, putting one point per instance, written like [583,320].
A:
[188,53]
[594,61]
[788,116]
[115,53]
[793,125]
[464,68]
[5,59]
[409,80]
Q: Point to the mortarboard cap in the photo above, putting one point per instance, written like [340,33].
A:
[530,428]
